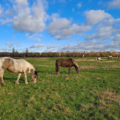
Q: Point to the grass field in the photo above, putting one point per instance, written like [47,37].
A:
[93,94]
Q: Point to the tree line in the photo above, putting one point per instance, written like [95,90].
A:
[14,53]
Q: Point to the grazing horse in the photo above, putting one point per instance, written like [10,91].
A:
[110,57]
[66,63]
[17,66]
[82,55]
[99,59]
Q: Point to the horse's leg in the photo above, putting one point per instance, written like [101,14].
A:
[1,77]
[55,69]
[69,70]
[17,81]
[25,75]
[58,67]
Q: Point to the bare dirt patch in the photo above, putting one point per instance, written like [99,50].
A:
[103,60]
[111,66]
[88,67]
[88,59]
[80,59]
[109,61]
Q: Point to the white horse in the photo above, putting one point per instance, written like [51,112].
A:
[99,59]
[17,66]
[110,57]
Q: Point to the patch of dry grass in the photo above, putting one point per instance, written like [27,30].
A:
[43,59]
[111,96]
[42,65]
[110,66]
[84,59]
[88,67]
[109,61]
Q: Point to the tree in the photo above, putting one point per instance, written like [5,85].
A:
[13,50]
[103,50]
[27,50]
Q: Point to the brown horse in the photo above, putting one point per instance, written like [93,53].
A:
[66,63]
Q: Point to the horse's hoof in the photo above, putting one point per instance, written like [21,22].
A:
[16,82]
[3,84]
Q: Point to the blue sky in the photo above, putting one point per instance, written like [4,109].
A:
[59,25]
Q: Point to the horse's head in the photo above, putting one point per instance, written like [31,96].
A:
[77,67]
[34,75]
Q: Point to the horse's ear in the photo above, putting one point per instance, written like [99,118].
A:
[36,73]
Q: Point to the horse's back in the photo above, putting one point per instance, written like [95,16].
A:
[66,62]
[14,65]
[58,62]
[22,64]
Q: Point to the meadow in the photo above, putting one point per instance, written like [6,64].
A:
[93,94]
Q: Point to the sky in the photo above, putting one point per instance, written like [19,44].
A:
[59,25]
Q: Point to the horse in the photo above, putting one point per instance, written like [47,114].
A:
[19,66]
[110,57]
[99,59]
[66,63]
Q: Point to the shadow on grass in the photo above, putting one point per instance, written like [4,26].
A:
[13,80]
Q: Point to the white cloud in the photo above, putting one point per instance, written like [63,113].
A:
[93,45]
[26,18]
[22,2]
[52,46]
[8,20]
[117,38]
[101,32]
[35,36]
[61,28]
[30,37]
[37,39]
[10,12]
[95,16]
[5,49]
[71,30]
[87,46]
[114,4]
[105,29]
[115,43]
[37,45]
[58,23]
[79,5]
[27,34]
[0,10]
[90,37]
[29,19]
[12,44]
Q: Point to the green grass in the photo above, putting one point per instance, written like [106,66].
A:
[93,94]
